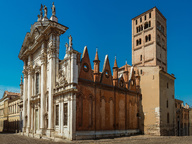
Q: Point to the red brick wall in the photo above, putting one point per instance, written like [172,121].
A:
[101,107]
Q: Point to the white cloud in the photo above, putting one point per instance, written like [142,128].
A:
[7,88]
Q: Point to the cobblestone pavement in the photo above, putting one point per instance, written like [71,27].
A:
[18,139]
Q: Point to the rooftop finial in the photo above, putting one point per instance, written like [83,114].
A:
[115,63]
[53,9]
[96,55]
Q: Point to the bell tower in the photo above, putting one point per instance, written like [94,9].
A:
[149,39]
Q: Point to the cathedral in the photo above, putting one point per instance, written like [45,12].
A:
[66,98]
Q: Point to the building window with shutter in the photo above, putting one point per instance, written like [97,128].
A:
[65,114]
[57,115]
[37,83]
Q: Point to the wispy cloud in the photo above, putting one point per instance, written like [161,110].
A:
[8,88]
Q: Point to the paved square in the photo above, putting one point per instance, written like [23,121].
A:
[8,138]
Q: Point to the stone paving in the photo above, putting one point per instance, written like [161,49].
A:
[6,138]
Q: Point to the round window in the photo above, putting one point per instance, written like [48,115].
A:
[132,82]
[85,67]
[107,73]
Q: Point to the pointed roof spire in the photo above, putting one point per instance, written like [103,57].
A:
[126,68]
[96,55]
[115,63]
[84,51]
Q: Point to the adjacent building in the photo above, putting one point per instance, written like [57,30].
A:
[10,112]
[182,118]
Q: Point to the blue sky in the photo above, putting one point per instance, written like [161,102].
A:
[105,24]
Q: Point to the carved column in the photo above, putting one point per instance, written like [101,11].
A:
[24,96]
[51,84]
[43,86]
[29,94]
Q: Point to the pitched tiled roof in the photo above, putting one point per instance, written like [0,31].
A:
[12,93]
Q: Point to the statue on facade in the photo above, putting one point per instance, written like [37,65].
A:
[61,79]
[45,11]
[53,9]
[66,45]
[41,13]
[39,19]
[70,41]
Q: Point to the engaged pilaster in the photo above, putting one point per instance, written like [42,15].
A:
[29,94]
[43,87]
[51,84]
[24,96]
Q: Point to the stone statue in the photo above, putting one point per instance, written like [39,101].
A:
[70,41]
[66,45]
[41,13]
[61,79]
[39,19]
[45,11]
[53,9]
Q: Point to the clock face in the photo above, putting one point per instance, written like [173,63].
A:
[85,67]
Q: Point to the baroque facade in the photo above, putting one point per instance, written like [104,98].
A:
[66,98]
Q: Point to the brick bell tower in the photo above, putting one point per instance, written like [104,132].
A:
[149,39]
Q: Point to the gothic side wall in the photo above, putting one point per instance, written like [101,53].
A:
[105,108]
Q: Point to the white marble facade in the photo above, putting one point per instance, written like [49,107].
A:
[49,87]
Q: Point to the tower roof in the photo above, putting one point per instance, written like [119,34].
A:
[96,55]
[115,63]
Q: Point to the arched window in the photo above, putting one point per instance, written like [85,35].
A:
[139,41]
[136,42]
[146,25]
[149,23]
[146,38]
[140,57]
[141,27]
[137,29]
[149,37]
